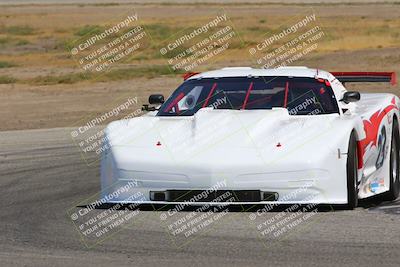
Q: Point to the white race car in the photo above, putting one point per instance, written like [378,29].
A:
[257,136]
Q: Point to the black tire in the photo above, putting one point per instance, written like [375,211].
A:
[352,170]
[394,164]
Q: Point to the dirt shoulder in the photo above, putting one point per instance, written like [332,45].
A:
[42,87]
[28,107]
[63,105]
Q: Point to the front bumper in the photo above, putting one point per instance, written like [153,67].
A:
[296,177]
[306,186]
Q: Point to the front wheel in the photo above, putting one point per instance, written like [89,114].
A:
[352,173]
[394,187]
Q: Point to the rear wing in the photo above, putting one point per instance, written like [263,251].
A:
[187,75]
[366,77]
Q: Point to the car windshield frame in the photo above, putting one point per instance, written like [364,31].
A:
[300,95]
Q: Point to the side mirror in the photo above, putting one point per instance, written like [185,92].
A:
[351,96]
[156,99]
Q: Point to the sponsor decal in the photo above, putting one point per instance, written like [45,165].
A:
[371,128]
[376,184]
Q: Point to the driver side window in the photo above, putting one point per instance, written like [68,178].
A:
[189,101]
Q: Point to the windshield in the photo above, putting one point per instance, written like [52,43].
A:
[301,96]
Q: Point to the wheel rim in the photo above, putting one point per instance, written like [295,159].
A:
[394,161]
[356,176]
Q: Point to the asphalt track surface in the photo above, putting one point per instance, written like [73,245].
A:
[43,177]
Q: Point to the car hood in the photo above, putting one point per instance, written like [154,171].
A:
[248,138]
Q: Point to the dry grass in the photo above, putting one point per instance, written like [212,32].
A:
[7,79]
[29,41]
[43,86]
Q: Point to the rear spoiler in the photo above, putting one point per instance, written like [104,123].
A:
[366,77]
[187,75]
